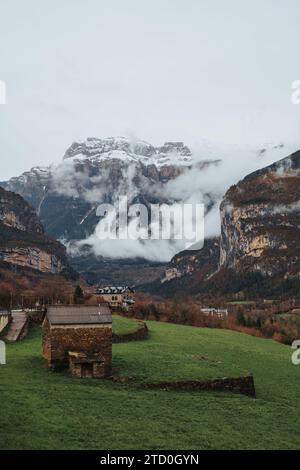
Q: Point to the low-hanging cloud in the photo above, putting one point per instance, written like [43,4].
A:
[201,183]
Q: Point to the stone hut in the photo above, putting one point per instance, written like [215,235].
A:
[79,338]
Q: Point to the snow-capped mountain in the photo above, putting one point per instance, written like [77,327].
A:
[171,153]
[96,171]
[66,195]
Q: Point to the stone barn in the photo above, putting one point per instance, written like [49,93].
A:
[79,338]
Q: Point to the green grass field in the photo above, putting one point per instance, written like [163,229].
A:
[44,410]
[123,325]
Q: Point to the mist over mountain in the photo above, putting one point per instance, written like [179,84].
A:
[259,248]
[97,171]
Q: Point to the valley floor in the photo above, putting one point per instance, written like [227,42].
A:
[44,410]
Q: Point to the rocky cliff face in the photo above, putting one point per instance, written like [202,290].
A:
[23,241]
[188,271]
[260,219]
[255,218]
[16,214]
[199,263]
[258,252]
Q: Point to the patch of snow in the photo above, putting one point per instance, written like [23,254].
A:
[86,216]
[121,148]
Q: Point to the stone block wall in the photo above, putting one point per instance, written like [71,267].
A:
[96,369]
[59,340]
[244,385]
[46,344]
[138,335]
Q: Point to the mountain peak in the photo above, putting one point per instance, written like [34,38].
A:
[138,150]
[95,147]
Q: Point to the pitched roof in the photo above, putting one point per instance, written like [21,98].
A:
[114,290]
[79,315]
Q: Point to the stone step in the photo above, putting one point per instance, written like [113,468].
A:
[15,330]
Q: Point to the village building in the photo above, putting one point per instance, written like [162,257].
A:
[79,337]
[220,313]
[296,311]
[116,297]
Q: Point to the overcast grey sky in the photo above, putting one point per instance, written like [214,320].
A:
[156,69]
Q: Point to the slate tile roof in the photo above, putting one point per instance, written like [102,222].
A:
[79,315]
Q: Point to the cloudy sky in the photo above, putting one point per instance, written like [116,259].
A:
[158,70]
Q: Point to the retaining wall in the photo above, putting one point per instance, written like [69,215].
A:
[137,335]
[243,385]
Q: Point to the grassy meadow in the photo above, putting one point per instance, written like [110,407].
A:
[123,325]
[45,410]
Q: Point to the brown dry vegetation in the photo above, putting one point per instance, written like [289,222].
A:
[257,319]
[24,288]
